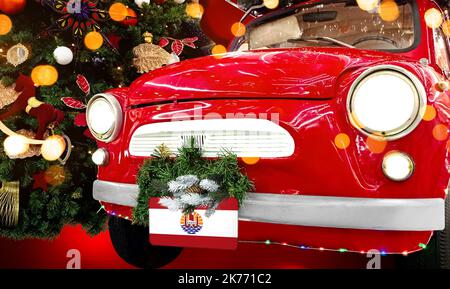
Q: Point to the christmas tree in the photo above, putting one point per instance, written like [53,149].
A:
[55,55]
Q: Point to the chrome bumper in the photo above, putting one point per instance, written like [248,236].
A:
[316,211]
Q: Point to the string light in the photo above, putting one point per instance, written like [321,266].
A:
[302,247]
[322,249]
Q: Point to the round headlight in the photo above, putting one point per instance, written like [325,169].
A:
[386,101]
[100,157]
[104,117]
[397,166]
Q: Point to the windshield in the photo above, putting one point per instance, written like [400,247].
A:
[386,25]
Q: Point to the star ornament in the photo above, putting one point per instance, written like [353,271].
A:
[80,16]
[39,181]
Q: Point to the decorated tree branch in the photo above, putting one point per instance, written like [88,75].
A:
[54,56]
[187,181]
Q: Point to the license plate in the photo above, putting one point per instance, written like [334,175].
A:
[173,228]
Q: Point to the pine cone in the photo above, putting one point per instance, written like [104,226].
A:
[195,189]
[149,57]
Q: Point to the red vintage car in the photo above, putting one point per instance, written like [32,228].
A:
[351,107]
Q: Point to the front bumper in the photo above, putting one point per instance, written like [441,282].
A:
[315,211]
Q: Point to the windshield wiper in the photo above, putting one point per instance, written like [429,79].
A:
[323,38]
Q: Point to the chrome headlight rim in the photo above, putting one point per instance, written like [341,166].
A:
[419,106]
[114,104]
[405,156]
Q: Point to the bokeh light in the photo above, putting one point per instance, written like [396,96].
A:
[342,141]
[271,4]
[376,145]
[446,28]
[44,75]
[389,11]
[440,132]
[5,24]
[118,12]
[368,5]
[93,40]
[250,160]
[238,29]
[433,18]
[430,113]
[194,10]
[218,50]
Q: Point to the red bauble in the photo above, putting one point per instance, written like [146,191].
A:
[12,7]
[159,2]
[131,19]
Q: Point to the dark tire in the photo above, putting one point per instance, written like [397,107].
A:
[132,245]
[437,253]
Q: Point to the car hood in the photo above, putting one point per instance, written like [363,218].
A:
[303,73]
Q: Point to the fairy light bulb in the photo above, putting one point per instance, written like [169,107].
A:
[15,145]
[53,147]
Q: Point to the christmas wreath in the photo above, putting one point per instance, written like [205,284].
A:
[188,181]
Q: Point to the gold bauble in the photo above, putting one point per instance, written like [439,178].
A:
[55,175]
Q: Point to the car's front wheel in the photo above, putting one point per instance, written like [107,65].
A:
[132,245]
[437,253]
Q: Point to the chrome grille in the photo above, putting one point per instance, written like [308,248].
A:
[244,137]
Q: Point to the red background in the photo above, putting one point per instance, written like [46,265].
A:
[99,253]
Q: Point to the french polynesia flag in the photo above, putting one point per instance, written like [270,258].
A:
[173,228]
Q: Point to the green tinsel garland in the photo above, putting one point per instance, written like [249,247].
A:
[157,172]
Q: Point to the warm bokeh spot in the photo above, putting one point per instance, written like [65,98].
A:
[194,10]
[440,132]
[5,24]
[271,4]
[342,141]
[433,18]
[238,29]
[218,50]
[367,5]
[118,12]
[250,160]
[446,28]
[376,145]
[44,75]
[430,113]
[93,40]
[388,10]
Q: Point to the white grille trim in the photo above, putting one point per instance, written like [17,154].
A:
[244,137]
